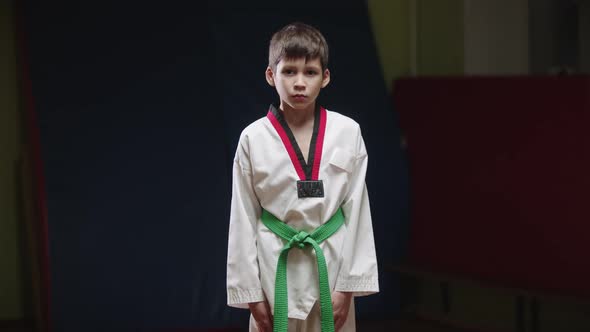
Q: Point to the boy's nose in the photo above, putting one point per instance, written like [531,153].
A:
[299,82]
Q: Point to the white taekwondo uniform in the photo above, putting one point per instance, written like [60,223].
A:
[267,165]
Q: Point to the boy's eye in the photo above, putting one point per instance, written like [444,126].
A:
[288,72]
[311,72]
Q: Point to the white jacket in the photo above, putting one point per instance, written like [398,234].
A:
[265,177]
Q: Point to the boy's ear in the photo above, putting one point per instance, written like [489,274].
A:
[270,76]
[326,78]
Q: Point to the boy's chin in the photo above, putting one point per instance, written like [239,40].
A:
[299,106]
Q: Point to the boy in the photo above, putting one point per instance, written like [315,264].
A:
[299,193]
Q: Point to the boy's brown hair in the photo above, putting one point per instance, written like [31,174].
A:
[297,40]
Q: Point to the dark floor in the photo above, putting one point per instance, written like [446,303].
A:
[367,326]
[407,326]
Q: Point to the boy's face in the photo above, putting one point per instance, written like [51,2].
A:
[298,82]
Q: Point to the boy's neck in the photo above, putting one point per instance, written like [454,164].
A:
[300,117]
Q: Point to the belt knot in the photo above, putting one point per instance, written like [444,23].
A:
[299,239]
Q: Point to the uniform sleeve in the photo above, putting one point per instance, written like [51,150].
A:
[358,273]
[243,281]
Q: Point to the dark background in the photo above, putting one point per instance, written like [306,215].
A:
[140,106]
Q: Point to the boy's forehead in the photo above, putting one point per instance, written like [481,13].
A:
[296,61]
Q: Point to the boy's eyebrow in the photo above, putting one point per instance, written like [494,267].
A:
[312,66]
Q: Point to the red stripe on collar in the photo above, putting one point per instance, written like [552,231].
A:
[319,145]
[287,144]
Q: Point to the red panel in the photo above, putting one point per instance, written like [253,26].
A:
[500,178]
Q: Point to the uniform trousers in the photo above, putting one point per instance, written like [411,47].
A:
[313,322]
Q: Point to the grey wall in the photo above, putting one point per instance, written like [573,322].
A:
[496,37]
[553,33]
[584,35]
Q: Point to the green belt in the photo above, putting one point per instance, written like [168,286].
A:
[300,239]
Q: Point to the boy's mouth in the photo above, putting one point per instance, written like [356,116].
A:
[298,97]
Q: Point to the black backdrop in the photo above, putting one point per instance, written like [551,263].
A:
[140,106]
